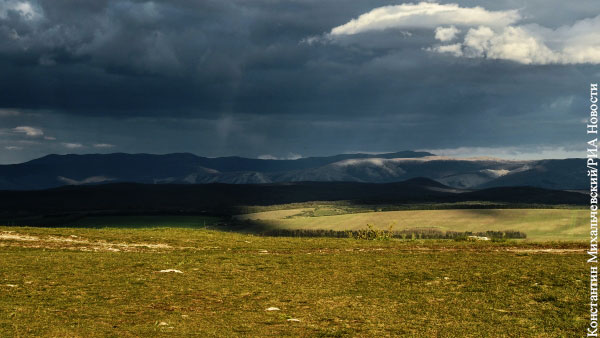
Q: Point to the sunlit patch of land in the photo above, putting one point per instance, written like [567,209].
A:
[538,224]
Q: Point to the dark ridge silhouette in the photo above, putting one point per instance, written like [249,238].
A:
[227,199]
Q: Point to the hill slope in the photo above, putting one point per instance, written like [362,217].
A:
[226,198]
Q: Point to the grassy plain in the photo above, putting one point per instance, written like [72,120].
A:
[68,282]
[538,224]
[541,223]
[145,221]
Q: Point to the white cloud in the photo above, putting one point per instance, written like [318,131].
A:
[13,148]
[267,157]
[103,145]
[88,180]
[455,49]
[9,112]
[24,8]
[562,103]
[29,131]
[290,156]
[425,15]
[293,156]
[512,43]
[534,44]
[72,145]
[49,138]
[445,34]
[512,153]
[489,34]
[477,40]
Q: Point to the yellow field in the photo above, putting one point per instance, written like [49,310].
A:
[538,224]
[273,215]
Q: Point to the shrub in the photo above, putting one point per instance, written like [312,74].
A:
[371,233]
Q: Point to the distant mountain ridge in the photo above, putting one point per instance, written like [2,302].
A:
[184,168]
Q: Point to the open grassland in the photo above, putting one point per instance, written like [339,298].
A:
[538,224]
[145,221]
[66,282]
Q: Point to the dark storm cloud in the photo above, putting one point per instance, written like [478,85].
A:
[238,77]
[146,58]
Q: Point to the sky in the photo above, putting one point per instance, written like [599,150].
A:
[296,78]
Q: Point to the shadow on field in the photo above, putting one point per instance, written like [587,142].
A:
[214,205]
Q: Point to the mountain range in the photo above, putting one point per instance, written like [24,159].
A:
[183,168]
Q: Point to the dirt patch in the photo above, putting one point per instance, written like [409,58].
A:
[11,235]
[11,238]
[546,250]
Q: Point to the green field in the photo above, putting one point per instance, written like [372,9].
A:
[145,221]
[538,224]
[67,282]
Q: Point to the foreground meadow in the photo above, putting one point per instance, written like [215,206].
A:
[108,282]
